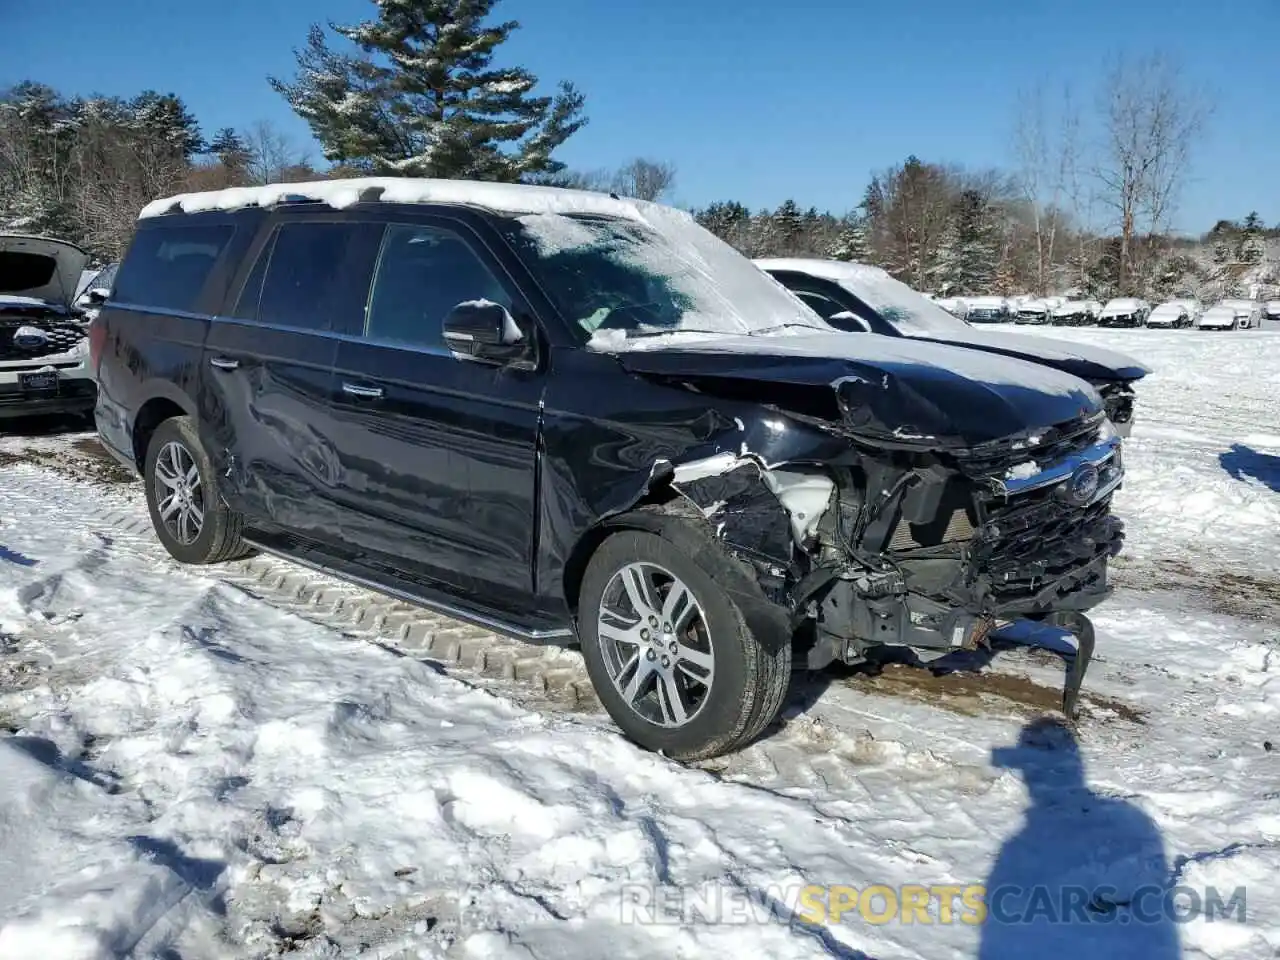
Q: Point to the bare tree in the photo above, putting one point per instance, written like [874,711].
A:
[273,156]
[1151,120]
[1046,149]
[644,179]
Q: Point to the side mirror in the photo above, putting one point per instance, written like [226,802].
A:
[93,297]
[484,330]
[850,321]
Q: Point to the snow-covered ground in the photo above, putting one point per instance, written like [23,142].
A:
[250,760]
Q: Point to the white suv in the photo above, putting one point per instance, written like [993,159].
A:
[44,350]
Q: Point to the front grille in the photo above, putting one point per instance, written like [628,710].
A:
[1052,444]
[58,337]
[1034,539]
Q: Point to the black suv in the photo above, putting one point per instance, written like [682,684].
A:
[563,415]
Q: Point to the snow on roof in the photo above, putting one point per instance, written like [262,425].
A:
[507,197]
[1173,306]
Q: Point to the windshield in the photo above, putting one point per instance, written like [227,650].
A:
[617,280]
[909,312]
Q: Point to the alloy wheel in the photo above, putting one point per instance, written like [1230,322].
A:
[179,493]
[655,644]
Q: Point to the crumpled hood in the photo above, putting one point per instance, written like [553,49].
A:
[1081,360]
[889,389]
[40,268]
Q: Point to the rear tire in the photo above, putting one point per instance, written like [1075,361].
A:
[189,515]
[729,685]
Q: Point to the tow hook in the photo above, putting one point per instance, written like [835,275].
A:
[1081,627]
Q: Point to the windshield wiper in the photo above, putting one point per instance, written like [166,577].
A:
[639,334]
[784,326]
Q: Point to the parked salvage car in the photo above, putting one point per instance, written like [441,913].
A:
[1219,317]
[1073,313]
[1248,312]
[986,309]
[1271,310]
[860,298]
[1034,312]
[1173,315]
[1124,312]
[43,345]
[563,415]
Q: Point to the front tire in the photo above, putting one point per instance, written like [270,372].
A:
[670,654]
[189,515]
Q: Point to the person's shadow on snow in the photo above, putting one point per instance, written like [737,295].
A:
[1085,876]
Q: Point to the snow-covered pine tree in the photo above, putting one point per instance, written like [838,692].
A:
[422,97]
[1252,246]
[788,224]
[722,217]
[851,242]
[967,254]
[164,118]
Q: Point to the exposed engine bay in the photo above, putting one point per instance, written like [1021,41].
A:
[932,550]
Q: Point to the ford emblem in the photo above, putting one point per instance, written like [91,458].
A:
[30,337]
[1083,484]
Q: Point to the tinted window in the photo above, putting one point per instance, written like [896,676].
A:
[247,305]
[317,275]
[168,266]
[822,306]
[423,273]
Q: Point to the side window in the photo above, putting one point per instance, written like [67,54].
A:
[251,295]
[167,266]
[423,273]
[315,275]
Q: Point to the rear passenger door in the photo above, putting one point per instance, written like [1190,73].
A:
[268,368]
[437,454]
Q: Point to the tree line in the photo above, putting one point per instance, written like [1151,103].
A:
[418,91]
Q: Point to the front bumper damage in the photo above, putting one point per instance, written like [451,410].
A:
[935,551]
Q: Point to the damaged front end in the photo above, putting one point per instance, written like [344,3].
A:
[932,549]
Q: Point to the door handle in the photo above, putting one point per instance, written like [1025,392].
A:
[223,363]
[364,393]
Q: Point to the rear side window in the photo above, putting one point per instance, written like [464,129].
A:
[423,273]
[312,276]
[167,267]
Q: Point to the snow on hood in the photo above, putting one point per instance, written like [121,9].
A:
[1122,305]
[1071,306]
[985,303]
[39,269]
[1172,310]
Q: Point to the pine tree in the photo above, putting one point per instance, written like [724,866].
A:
[1251,249]
[788,225]
[967,254]
[423,98]
[851,242]
[722,218]
[166,118]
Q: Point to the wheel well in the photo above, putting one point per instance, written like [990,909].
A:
[575,567]
[153,413]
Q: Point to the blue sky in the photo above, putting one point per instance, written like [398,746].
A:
[753,100]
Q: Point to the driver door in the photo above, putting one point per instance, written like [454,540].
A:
[436,454]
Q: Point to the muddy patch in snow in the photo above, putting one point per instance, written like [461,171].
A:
[82,458]
[987,692]
[1250,596]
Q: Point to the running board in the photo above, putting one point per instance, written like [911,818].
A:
[436,606]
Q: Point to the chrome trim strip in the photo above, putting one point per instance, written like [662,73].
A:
[283,328]
[445,609]
[1061,470]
